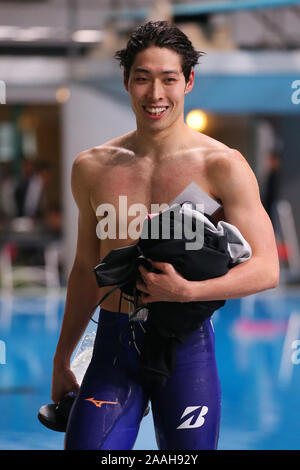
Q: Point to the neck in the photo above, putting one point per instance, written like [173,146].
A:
[157,144]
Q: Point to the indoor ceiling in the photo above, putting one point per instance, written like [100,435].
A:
[60,27]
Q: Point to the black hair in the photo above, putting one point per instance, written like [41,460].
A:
[159,34]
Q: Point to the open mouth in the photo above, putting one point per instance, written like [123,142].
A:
[155,112]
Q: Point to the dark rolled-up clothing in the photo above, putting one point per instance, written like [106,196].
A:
[171,322]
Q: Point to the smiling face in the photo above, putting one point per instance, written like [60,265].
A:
[157,87]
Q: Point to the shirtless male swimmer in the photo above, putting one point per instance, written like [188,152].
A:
[152,165]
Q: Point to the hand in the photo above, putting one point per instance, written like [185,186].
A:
[167,286]
[63,382]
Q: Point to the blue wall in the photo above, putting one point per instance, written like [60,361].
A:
[266,93]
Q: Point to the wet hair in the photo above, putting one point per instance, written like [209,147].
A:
[159,34]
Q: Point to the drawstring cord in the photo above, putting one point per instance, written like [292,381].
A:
[133,317]
[118,319]
[100,301]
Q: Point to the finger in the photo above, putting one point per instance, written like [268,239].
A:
[141,286]
[143,270]
[145,274]
[55,398]
[75,388]
[145,299]
[161,265]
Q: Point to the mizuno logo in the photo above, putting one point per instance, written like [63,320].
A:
[99,403]
[190,411]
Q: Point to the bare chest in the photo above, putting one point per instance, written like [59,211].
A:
[146,184]
[124,195]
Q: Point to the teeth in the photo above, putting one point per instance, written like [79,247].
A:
[155,110]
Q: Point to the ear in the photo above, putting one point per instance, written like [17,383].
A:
[125,81]
[190,84]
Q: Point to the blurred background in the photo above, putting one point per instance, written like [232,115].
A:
[60,93]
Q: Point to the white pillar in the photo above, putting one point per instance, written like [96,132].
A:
[89,118]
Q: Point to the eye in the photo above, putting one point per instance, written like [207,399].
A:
[170,80]
[140,79]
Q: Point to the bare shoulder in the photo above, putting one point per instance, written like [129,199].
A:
[225,168]
[224,159]
[86,160]
[213,153]
[224,163]
[89,162]
[231,176]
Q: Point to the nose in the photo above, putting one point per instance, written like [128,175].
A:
[155,91]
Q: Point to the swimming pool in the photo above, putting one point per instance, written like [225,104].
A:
[257,355]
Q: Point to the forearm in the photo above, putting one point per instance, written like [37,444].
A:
[82,294]
[244,279]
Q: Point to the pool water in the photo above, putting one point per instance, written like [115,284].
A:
[257,355]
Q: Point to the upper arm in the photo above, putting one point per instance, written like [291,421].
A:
[88,244]
[238,190]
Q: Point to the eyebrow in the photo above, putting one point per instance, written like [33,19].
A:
[139,69]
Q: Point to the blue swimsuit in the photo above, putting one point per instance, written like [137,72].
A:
[112,400]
